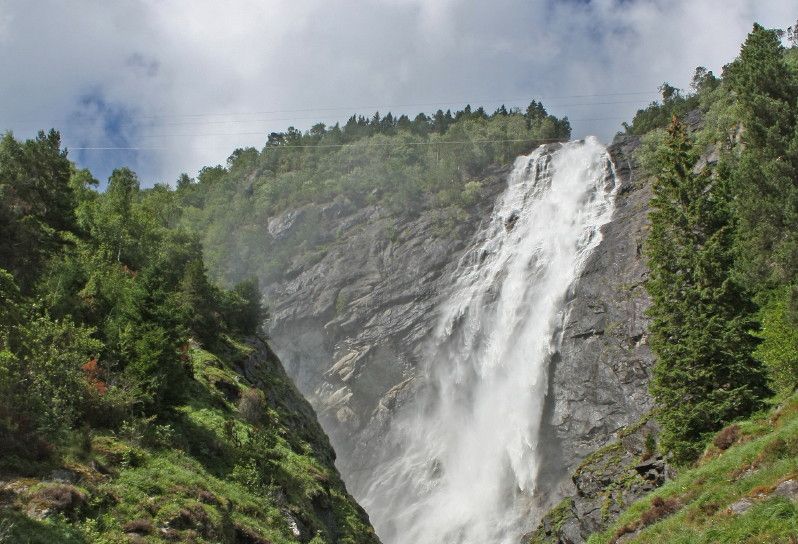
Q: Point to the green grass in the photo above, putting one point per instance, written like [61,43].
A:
[201,473]
[765,455]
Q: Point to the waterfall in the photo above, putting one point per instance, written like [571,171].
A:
[461,461]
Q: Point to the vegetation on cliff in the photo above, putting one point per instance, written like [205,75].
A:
[403,165]
[723,281]
[744,488]
[137,402]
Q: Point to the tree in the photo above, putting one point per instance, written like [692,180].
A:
[766,175]
[704,80]
[42,386]
[113,226]
[184,182]
[704,375]
[243,310]
[779,335]
[199,300]
[36,203]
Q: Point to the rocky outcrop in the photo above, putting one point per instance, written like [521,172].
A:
[605,483]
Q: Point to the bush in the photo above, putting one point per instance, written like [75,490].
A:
[779,335]
[42,386]
[252,406]
[727,437]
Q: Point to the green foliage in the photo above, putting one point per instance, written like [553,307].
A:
[705,375]
[723,246]
[658,115]
[242,308]
[198,300]
[779,335]
[765,456]
[104,280]
[402,165]
[43,388]
[36,203]
[100,372]
[766,170]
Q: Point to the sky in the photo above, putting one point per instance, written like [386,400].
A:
[182,83]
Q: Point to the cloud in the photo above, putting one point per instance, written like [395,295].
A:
[186,82]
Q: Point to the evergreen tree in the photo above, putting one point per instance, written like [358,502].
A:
[766,176]
[704,375]
[36,204]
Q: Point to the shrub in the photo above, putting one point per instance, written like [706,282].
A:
[727,437]
[62,498]
[139,527]
[779,335]
[252,406]
[660,508]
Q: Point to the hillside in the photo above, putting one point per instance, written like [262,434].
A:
[243,461]
[744,488]
[139,402]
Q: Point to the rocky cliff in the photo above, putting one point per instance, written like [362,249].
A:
[599,378]
[348,319]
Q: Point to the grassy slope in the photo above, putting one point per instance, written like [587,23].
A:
[190,477]
[695,507]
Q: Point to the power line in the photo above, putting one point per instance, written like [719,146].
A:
[375,108]
[262,132]
[324,118]
[253,133]
[356,144]
[152,148]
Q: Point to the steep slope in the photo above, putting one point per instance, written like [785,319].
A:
[743,489]
[351,322]
[242,461]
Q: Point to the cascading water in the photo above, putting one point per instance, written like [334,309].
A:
[461,461]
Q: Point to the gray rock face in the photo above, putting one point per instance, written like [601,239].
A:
[349,319]
[599,380]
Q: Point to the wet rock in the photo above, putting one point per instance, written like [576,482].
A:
[510,222]
[600,377]
[349,320]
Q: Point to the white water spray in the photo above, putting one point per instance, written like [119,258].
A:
[462,462]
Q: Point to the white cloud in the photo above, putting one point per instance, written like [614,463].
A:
[164,69]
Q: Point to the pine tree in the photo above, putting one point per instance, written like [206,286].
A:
[704,375]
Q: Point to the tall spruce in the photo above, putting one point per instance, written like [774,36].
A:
[765,183]
[704,375]
[766,174]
